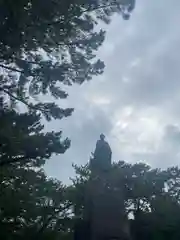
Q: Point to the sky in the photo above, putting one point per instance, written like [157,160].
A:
[136,102]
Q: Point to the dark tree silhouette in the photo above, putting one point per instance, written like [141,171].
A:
[35,206]
[151,198]
[23,141]
[45,45]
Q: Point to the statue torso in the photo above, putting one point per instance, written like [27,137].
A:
[102,156]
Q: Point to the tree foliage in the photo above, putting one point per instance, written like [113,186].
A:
[44,45]
[35,206]
[151,198]
[23,141]
[31,205]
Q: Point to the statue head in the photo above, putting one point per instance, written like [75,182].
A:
[102,136]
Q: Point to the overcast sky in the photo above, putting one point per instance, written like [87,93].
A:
[136,102]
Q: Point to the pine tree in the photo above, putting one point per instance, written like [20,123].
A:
[23,141]
[45,45]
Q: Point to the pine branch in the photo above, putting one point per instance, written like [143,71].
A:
[88,10]
[50,218]
[19,99]
[39,107]
[101,7]
[16,70]
[11,68]
[11,160]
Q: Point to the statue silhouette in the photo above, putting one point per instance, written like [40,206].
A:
[101,160]
[104,205]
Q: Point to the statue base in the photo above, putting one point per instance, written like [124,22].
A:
[105,211]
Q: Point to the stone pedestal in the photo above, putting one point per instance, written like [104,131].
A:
[106,212]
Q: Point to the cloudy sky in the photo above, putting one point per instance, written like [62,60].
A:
[136,102]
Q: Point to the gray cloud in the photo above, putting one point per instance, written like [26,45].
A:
[136,101]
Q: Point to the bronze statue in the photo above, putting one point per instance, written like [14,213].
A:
[101,160]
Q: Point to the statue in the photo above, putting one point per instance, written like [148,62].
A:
[104,213]
[101,160]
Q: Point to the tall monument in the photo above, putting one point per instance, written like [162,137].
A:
[105,204]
